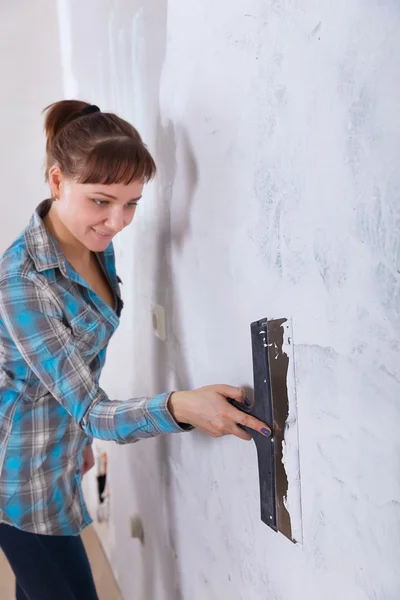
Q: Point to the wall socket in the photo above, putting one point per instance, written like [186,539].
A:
[136,528]
[158,317]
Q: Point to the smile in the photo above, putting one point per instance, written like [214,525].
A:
[103,235]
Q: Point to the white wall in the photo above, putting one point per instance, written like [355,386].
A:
[276,128]
[31,79]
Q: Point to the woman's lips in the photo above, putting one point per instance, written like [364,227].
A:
[104,236]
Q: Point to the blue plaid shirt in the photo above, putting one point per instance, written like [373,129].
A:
[54,331]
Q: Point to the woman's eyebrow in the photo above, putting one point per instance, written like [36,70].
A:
[114,197]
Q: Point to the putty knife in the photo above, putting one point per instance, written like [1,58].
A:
[275,405]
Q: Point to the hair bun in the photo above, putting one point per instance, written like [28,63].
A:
[88,110]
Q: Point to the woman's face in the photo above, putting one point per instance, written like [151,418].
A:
[95,213]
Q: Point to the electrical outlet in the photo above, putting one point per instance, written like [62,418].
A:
[136,528]
[158,316]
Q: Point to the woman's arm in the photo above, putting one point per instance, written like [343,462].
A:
[34,321]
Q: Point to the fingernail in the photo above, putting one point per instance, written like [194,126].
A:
[266,432]
[247,401]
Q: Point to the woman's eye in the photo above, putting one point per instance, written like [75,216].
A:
[132,204]
[100,202]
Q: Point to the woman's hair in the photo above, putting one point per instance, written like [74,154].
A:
[94,147]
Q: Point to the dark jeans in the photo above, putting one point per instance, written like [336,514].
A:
[48,567]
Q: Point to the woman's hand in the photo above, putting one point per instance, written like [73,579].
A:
[88,460]
[209,411]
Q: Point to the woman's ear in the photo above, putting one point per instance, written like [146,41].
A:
[55,181]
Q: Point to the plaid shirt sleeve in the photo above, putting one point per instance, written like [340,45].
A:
[34,320]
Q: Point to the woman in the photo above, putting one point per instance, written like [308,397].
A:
[60,303]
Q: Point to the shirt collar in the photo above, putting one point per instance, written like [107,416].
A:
[41,245]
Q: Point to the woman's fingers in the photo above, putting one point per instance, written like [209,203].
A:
[249,421]
[229,391]
[232,416]
[241,433]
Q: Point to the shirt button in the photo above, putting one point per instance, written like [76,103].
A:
[87,319]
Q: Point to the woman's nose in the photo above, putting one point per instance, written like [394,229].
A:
[115,221]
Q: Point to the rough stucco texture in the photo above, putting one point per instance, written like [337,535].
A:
[276,127]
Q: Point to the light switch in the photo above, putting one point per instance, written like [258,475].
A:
[136,528]
[158,316]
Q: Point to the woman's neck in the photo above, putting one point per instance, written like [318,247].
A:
[74,251]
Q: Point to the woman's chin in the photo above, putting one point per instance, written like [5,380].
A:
[97,242]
